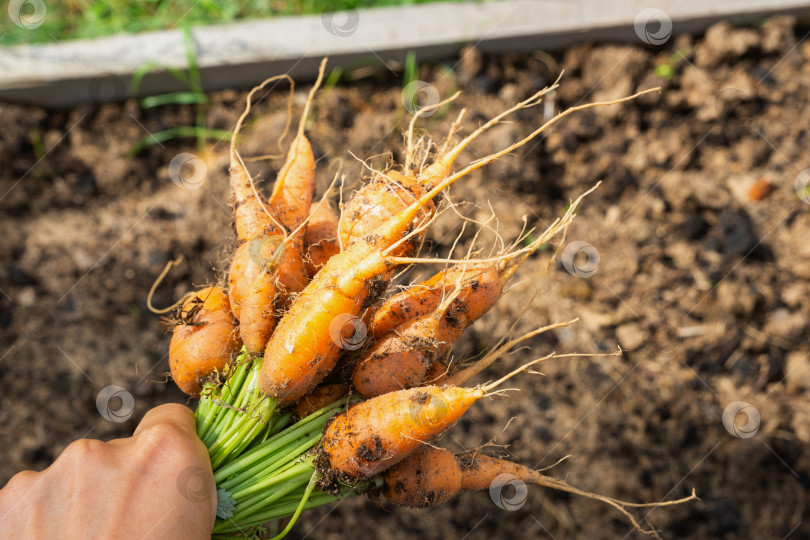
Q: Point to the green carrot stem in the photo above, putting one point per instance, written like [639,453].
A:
[261,500]
[294,518]
[235,523]
[226,395]
[312,425]
[286,506]
[283,474]
[268,467]
[279,423]
[242,432]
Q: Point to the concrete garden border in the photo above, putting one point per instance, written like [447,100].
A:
[244,53]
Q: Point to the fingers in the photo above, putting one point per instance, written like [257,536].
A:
[172,428]
[174,414]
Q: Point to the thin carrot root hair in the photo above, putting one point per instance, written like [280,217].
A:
[511,260]
[561,485]
[249,105]
[489,389]
[156,284]
[304,114]
[535,477]
[311,97]
[454,127]
[274,219]
[302,121]
[445,161]
[440,165]
[410,147]
[501,349]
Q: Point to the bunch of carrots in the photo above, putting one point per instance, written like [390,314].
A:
[314,383]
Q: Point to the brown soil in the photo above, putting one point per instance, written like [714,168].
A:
[705,288]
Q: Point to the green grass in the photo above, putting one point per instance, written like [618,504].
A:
[77,19]
[193,95]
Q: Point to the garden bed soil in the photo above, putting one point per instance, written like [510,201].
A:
[705,288]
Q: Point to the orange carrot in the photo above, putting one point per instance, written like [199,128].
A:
[308,340]
[251,283]
[268,267]
[379,433]
[416,300]
[377,202]
[402,357]
[291,200]
[320,239]
[295,185]
[203,339]
[319,398]
[376,434]
[431,476]
[428,477]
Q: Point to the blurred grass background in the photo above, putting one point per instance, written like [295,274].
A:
[77,19]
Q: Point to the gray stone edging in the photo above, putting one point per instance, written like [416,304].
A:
[244,53]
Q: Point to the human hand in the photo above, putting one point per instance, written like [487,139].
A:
[157,484]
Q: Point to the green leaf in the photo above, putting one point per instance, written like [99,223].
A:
[152,66]
[175,98]
[225,504]
[411,68]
